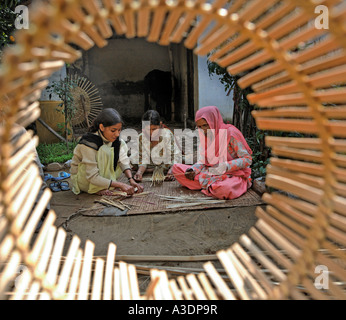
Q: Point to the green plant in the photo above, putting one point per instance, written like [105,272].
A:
[63,89]
[7,21]
[56,152]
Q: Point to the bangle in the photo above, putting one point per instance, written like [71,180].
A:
[129,178]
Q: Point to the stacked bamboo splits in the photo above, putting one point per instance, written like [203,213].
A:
[297,73]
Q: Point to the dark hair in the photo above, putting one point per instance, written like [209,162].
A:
[153,116]
[108,117]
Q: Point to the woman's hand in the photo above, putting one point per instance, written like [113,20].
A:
[130,190]
[139,174]
[170,176]
[190,174]
[135,185]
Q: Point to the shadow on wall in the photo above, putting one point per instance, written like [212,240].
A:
[158,87]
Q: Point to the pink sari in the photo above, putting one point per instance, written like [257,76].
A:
[223,170]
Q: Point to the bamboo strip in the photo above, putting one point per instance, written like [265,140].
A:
[165,258]
[124,281]
[270,248]
[156,292]
[35,253]
[196,32]
[197,290]
[107,293]
[233,274]
[61,288]
[143,16]
[210,32]
[4,224]
[315,294]
[334,290]
[183,26]
[51,276]
[218,282]
[7,246]
[115,18]
[299,143]
[340,160]
[290,235]
[23,120]
[22,285]
[289,24]
[23,153]
[33,291]
[215,39]
[100,17]
[9,272]
[338,222]
[26,204]
[257,289]
[262,24]
[327,96]
[135,295]
[308,67]
[263,57]
[298,154]
[300,233]
[307,179]
[23,177]
[169,26]
[280,240]
[302,126]
[156,24]
[208,289]
[277,202]
[74,34]
[275,271]
[130,21]
[116,285]
[97,280]
[40,268]
[85,273]
[177,293]
[336,235]
[224,49]
[150,290]
[248,63]
[255,9]
[185,289]
[337,270]
[75,276]
[264,72]
[173,270]
[238,54]
[164,286]
[87,26]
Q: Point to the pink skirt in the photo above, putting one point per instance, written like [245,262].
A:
[230,188]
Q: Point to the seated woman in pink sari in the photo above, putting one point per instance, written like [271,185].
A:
[223,169]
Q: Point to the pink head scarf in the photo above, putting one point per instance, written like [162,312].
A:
[214,119]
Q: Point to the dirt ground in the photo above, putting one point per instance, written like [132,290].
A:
[185,233]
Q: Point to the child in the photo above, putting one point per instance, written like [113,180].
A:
[225,179]
[100,158]
[158,135]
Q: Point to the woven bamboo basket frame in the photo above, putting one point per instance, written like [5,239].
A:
[297,88]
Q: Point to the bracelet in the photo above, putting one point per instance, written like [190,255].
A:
[129,178]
